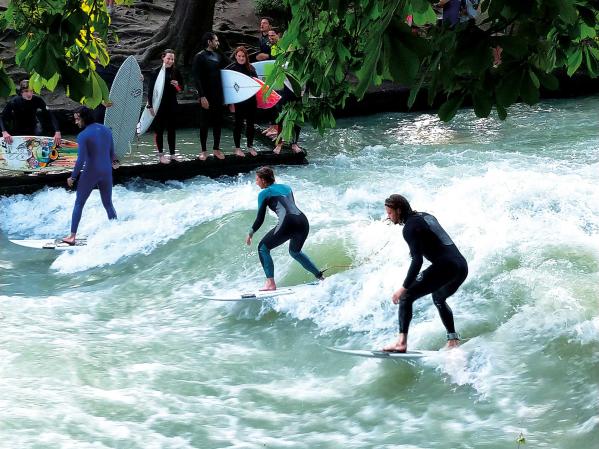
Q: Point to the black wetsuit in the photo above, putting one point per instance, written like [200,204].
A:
[426,238]
[245,110]
[22,114]
[166,115]
[206,73]
[292,225]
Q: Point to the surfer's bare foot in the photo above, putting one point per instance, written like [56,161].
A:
[278,148]
[175,158]
[70,240]
[164,160]
[203,156]
[269,285]
[401,345]
[239,153]
[296,148]
[452,344]
[252,151]
[218,154]
[269,130]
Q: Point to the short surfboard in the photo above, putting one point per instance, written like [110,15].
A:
[258,295]
[37,153]
[56,244]
[377,354]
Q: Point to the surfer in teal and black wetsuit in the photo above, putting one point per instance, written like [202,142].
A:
[292,225]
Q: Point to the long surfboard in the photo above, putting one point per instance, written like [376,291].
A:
[257,295]
[56,244]
[147,118]
[37,153]
[126,95]
[377,354]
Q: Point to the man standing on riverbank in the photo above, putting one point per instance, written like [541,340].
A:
[264,52]
[21,112]
[426,239]
[96,156]
[206,68]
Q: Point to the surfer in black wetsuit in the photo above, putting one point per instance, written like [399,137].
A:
[206,68]
[21,111]
[426,239]
[244,110]
[165,117]
[292,225]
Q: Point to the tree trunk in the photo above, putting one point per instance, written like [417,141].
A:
[182,32]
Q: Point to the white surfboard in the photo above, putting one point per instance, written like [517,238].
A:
[56,244]
[126,95]
[147,118]
[237,87]
[257,295]
[377,354]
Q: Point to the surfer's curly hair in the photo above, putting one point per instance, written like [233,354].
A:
[267,174]
[399,202]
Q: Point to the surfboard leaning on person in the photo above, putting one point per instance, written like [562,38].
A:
[96,155]
[426,239]
[292,225]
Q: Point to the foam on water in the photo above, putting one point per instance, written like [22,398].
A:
[122,352]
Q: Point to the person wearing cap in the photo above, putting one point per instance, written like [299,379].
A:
[448,270]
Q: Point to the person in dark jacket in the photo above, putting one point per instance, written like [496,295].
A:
[448,270]
[245,110]
[166,115]
[21,112]
[206,68]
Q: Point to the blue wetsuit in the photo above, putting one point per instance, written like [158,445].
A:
[292,225]
[427,239]
[93,167]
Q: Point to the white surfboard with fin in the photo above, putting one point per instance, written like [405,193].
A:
[377,354]
[147,118]
[257,295]
[56,244]
[237,87]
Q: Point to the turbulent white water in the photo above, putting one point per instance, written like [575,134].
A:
[111,345]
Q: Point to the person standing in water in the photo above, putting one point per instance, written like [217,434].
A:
[95,161]
[292,225]
[426,239]
[245,110]
[166,115]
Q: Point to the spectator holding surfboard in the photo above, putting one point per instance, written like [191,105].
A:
[448,270]
[95,161]
[206,68]
[166,115]
[292,225]
[245,110]
[21,111]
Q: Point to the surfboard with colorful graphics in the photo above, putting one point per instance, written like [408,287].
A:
[37,153]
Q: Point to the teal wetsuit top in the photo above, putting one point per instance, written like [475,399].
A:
[279,198]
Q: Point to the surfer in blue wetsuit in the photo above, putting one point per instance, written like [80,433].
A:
[95,161]
[426,239]
[292,225]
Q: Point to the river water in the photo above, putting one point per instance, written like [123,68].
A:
[112,346]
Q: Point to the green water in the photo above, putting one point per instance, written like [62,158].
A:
[112,346]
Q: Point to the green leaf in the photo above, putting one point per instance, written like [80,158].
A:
[528,91]
[7,86]
[506,91]
[449,109]
[574,61]
[548,80]
[483,103]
